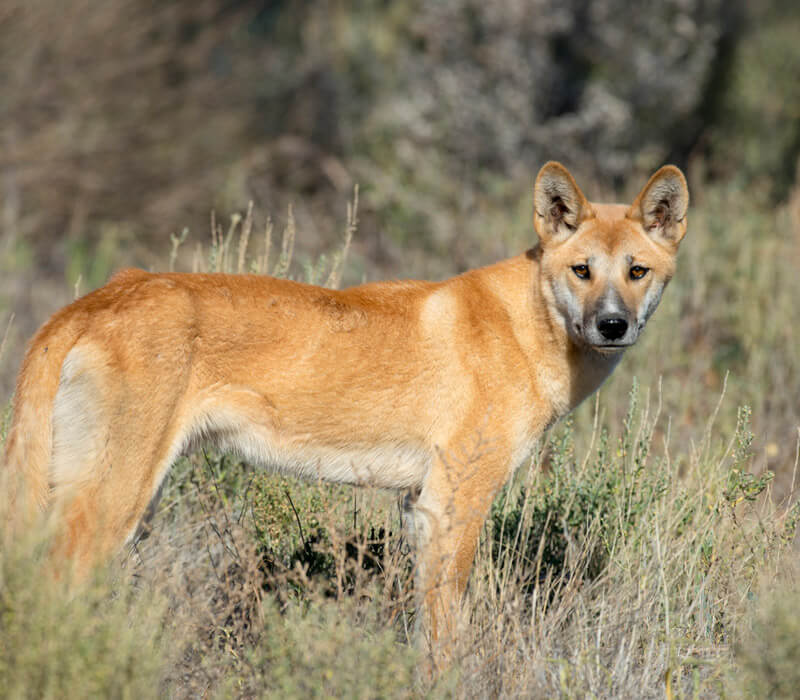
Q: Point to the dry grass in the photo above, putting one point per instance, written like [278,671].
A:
[601,573]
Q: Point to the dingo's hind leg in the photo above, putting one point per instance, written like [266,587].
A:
[111,449]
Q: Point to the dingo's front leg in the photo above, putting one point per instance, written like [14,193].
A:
[448,517]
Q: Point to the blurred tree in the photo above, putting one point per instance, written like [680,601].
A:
[126,119]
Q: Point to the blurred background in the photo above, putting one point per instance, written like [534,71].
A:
[124,121]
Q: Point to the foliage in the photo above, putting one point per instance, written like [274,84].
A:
[758,143]
[584,511]
[330,650]
[769,651]
[110,640]
[623,566]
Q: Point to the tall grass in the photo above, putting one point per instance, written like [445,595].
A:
[617,571]
[622,572]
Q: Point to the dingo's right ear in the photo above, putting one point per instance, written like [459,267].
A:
[558,203]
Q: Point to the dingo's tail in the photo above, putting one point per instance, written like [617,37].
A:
[25,478]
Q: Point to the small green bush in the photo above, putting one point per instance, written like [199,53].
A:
[769,653]
[330,650]
[98,640]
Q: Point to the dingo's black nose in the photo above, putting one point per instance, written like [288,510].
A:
[613,327]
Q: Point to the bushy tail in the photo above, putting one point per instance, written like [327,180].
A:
[24,477]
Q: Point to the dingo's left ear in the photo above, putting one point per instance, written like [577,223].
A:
[558,203]
[661,206]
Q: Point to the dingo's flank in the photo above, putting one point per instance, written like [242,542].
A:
[440,388]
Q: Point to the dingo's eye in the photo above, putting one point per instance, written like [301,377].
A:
[637,272]
[582,271]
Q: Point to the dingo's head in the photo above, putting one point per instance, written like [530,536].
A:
[604,266]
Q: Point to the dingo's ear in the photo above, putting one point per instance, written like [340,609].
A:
[558,204]
[661,206]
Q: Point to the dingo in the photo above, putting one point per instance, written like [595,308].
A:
[391,384]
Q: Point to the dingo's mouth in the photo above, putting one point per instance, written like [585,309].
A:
[611,347]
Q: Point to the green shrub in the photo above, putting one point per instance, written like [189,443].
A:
[99,640]
[768,654]
[612,567]
[329,650]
